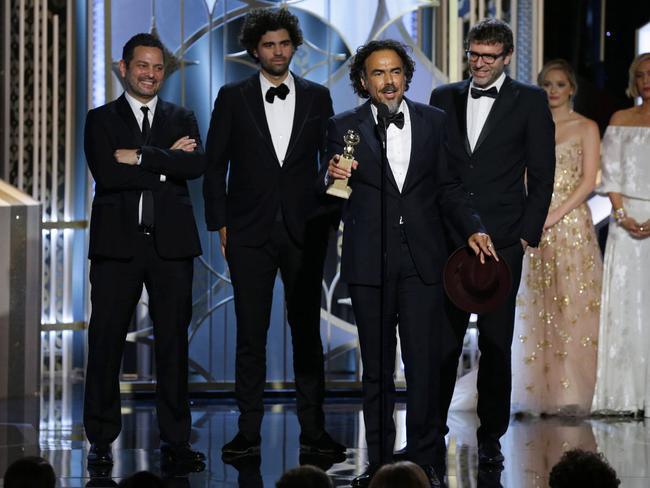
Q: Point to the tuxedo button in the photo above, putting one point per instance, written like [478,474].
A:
[471,194]
[471,166]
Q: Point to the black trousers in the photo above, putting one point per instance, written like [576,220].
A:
[495,331]
[418,309]
[116,286]
[253,271]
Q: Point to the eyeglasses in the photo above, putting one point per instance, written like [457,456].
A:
[487,58]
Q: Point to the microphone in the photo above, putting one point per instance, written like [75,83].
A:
[382,115]
[382,111]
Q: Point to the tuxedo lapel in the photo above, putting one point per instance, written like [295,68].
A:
[252,97]
[304,100]
[367,131]
[369,136]
[126,114]
[502,105]
[460,103]
[160,117]
[417,138]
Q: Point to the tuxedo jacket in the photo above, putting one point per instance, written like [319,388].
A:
[239,147]
[509,175]
[114,218]
[430,191]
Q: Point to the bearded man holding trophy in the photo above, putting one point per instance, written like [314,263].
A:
[400,189]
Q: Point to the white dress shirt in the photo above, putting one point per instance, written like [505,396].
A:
[478,110]
[136,106]
[279,115]
[398,145]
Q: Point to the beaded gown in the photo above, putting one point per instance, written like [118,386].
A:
[558,305]
[623,381]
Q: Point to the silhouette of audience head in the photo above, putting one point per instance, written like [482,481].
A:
[142,479]
[403,474]
[306,476]
[30,472]
[578,468]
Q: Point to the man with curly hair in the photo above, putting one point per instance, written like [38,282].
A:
[419,189]
[263,149]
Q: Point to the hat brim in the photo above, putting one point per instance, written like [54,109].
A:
[465,299]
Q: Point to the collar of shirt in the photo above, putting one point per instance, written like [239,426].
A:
[265,84]
[136,105]
[279,115]
[478,110]
[398,145]
[498,83]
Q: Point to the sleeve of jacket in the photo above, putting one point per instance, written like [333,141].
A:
[540,167]
[107,172]
[177,163]
[327,112]
[217,160]
[453,200]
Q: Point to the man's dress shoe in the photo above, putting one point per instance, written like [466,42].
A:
[180,453]
[489,455]
[323,444]
[100,455]
[364,479]
[241,445]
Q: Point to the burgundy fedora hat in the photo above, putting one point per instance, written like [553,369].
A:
[475,287]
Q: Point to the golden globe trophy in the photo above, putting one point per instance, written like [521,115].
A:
[340,188]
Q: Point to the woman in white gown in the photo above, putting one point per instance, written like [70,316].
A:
[623,376]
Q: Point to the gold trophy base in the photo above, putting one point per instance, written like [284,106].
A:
[341,191]
[340,188]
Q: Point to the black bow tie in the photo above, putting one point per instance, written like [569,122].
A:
[280,91]
[397,119]
[478,93]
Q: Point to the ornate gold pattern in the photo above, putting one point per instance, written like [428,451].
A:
[559,304]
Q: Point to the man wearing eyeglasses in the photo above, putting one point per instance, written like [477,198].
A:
[501,142]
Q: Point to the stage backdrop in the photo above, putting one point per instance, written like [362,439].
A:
[58,59]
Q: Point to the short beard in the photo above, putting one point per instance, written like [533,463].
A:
[393,105]
[273,71]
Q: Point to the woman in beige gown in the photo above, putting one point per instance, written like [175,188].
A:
[556,328]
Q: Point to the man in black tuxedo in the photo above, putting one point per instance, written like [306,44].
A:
[501,141]
[419,190]
[266,136]
[140,151]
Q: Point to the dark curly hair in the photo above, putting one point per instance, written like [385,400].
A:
[143,39]
[306,476]
[404,474]
[261,20]
[358,64]
[30,471]
[579,468]
[491,31]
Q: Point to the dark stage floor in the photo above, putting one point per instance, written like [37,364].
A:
[54,430]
